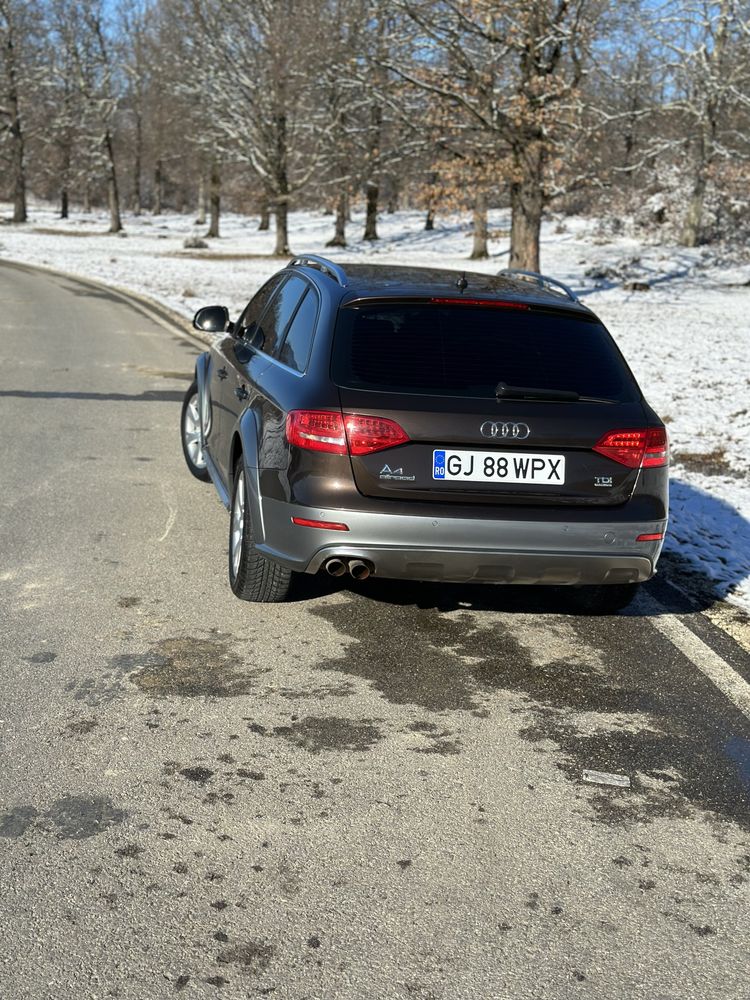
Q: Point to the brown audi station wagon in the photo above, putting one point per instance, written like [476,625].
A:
[423,424]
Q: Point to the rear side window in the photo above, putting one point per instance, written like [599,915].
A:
[465,351]
[275,319]
[297,343]
[249,319]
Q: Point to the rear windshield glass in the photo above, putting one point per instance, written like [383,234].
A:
[466,351]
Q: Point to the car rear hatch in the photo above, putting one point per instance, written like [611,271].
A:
[434,366]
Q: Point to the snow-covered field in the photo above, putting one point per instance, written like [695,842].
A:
[687,338]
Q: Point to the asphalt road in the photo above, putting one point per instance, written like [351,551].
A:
[374,792]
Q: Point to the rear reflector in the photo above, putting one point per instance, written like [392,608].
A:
[645,447]
[657,537]
[328,525]
[324,430]
[486,303]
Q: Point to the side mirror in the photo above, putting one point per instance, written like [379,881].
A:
[212,319]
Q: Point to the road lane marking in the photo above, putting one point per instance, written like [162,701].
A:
[172,516]
[716,669]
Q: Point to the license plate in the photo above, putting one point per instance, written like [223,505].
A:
[498,467]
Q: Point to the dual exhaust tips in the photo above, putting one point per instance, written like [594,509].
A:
[357,568]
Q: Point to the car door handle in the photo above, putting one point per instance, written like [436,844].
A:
[242,393]
[222,373]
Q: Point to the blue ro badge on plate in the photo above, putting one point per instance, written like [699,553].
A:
[438,465]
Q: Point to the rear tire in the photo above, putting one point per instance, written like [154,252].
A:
[191,434]
[252,577]
[605,599]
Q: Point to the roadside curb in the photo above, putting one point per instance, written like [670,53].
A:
[166,316]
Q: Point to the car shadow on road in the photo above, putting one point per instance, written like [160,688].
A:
[150,396]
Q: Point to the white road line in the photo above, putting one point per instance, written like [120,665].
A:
[718,671]
[172,516]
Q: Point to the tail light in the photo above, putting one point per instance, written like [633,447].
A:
[644,448]
[316,430]
[324,430]
[368,434]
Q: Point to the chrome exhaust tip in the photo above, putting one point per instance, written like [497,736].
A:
[335,566]
[359,570]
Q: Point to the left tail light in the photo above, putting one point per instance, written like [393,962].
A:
[355,434]
[641,448]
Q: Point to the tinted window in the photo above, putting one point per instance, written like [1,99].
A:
[296,349]
[275,319]
[464,351]
[257,304]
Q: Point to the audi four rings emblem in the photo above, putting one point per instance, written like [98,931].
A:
[493,429]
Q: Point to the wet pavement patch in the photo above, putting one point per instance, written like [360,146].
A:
[254,955]
[678,757]
[70,818]
[413,657]
[317,733]
[189,667]
[128,602]
[197,774]
[607,692]
[81,726]
[440,741]
[44,656]
[130,851]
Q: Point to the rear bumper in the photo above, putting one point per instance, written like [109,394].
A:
[463,549]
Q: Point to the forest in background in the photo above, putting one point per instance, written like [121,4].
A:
[633,110]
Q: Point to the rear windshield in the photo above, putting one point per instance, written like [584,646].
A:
[465,351]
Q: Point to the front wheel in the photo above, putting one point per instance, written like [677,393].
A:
[252,577]
[190,432]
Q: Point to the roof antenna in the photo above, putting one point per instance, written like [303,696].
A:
[462,283]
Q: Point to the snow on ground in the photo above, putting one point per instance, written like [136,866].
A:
[687,338]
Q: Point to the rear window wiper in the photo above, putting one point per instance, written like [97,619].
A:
[505,391]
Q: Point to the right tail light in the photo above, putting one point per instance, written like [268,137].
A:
[640,448]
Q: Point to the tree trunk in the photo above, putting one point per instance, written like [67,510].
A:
[526,205]
[87,197]
[113,194]
[158,187]
[282,234]
[201,220]
[339,232]
[281,178]
[371,211]
[67,154]
[214,199]
[264,223]
[692,234]
[137,191]
[429,219]
[479,248]
[393,196]
[18,165]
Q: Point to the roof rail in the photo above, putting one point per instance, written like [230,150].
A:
[334,271]
[541,279]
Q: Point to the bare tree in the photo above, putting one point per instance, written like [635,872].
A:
[80,27]
[710,70]
[260,64]
[511,72]
[15,30]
